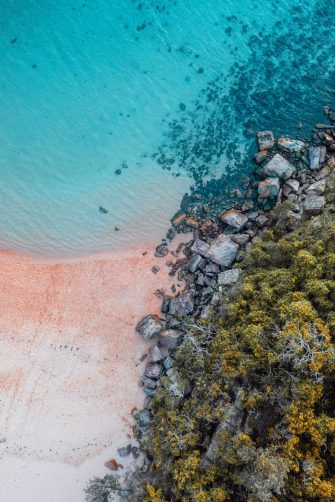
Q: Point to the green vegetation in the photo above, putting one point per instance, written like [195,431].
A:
[100,489]
[248,413]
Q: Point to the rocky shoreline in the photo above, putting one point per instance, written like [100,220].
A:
[291,174]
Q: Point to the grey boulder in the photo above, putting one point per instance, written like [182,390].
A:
[234,218]
[181,305]
[229,277]
[313,204]
[223,251]
[169,338]
[317,155]
[150,327]
[279,167]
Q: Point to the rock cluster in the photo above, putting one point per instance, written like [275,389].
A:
[295,170]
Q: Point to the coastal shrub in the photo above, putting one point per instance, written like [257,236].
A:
[254,419]
[100,489]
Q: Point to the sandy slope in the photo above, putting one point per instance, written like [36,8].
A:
[69,366]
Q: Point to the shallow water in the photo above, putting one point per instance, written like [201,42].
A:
[167,93]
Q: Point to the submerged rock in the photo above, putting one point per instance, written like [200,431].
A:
[223,250]
[290,145]
[279,167]
[265,140]
[150,326]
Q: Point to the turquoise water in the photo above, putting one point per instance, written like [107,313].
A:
[123,105]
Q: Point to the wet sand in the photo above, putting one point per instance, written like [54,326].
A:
[69,366]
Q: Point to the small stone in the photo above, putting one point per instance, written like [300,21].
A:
[150,327]
[211,269]
[149,382]
[155,269]
[103,210]
[252,217]
[279,167]
[316,188]
[124,450]
[223,250]
[112,464]
[169,338]
[161,250]
[269,188]
[265,140]
[143,418]
[234,218]
[323,173]
[229,277]
[313,204]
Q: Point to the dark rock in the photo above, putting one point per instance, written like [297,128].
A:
[181,305]
[168,362]
[149,382]
[149,327]
[161,250]
[103,210]
[155,269]
[124,451]
[169,338]
[211,268]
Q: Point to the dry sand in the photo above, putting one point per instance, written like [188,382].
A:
[69,367]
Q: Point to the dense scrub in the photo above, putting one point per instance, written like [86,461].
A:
[248,412]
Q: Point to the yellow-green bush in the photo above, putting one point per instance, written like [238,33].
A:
[271,342]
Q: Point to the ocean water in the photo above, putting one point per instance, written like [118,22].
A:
[112,109]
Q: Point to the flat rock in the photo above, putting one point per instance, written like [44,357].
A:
[229,277]
[279,167]
[290,145]
[181,305]
[169,338]
[317,155]
[269,188]
[150,326]
[200,247]
[313,204]
[316,188]
[223,251]
[265,140]
[234,218]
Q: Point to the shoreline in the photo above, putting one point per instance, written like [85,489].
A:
[70,359]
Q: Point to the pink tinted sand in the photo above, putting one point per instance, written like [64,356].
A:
[69,358]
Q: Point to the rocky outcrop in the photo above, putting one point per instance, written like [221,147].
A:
[223,250]
[279,167]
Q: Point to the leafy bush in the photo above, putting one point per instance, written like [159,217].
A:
[255,420]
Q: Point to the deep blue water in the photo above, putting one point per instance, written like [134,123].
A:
[167,93]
